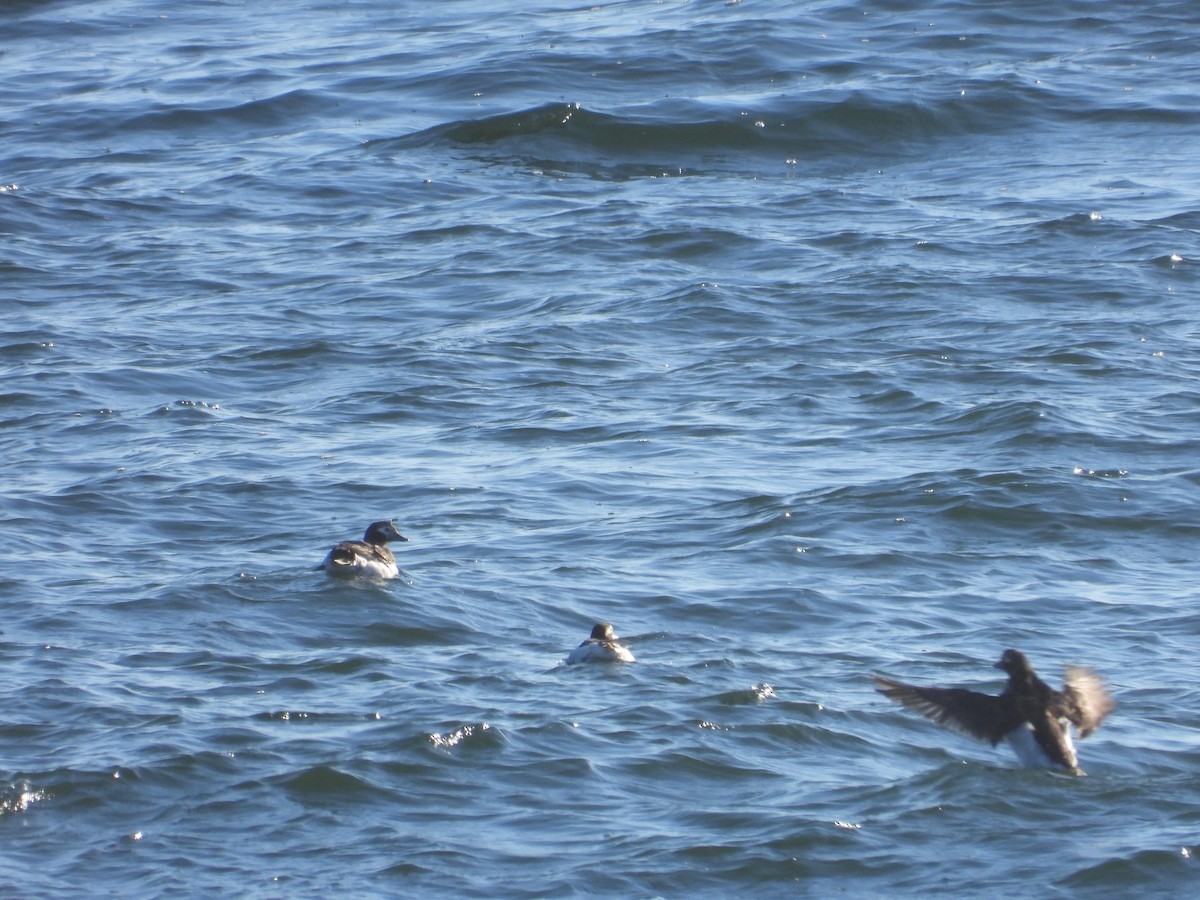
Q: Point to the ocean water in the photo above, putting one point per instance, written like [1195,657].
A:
[800,341]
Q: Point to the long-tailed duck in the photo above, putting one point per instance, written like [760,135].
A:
[1032,716]
[370,556]
[602,646]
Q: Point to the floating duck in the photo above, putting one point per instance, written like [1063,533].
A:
[1032,716]
[370,556]
[602,646]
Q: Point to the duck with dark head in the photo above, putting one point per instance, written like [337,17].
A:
[370,556]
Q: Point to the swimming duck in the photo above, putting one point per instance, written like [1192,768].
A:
[1032,716]
[602,646]
[370,556]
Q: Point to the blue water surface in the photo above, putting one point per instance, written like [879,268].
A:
[799,341]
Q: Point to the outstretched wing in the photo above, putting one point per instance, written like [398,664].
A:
[978,715]
[1084,700]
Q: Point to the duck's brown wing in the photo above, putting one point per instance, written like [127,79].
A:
[1084,700]
[347,551]
[978,715]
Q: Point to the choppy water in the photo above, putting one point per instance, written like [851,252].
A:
[800,341]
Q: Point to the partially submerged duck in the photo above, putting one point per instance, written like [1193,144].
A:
[602,646]
[370,556]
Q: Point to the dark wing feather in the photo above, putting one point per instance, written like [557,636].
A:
[1084,700]
[382,553]
[347,551]
[978,715]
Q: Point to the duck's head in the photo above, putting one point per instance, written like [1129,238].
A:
[382,532]
[1014,662]
[602,631]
